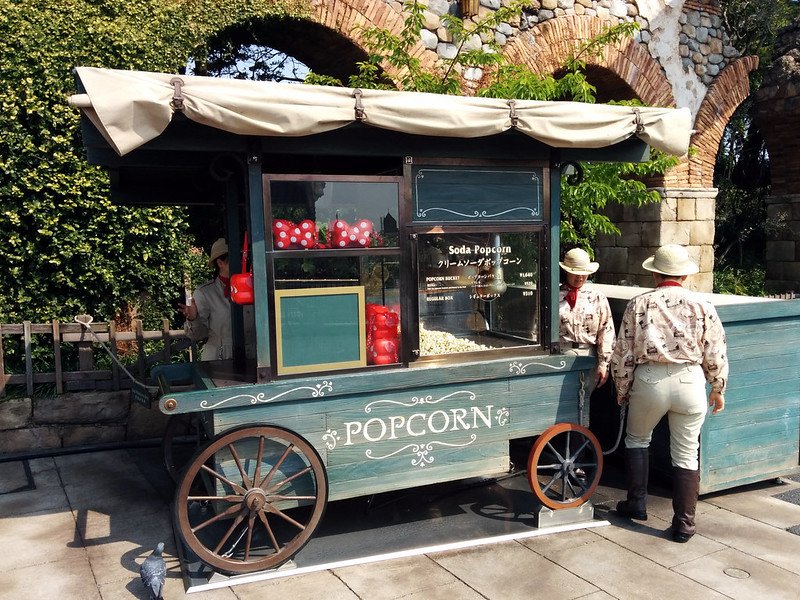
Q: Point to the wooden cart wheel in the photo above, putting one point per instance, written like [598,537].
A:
[564,466]
[174,458]
[251,499]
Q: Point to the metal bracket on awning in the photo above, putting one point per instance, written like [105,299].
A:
[177,94]
[513,113]
[637,118]
[359,108]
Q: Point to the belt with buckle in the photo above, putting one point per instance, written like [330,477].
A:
[579,346]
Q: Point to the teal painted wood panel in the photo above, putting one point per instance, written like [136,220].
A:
[377,442]
[741,474]
[357,479]
[770,448]
[764,375]
[776,415]
[766,352]
[769,311]
[368,381]
[756,436]
[770,340]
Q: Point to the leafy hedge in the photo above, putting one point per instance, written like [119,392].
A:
[65,248]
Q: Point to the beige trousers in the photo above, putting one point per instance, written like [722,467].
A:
[675,390]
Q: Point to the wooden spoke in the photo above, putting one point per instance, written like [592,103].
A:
[294,491]
[265,521]
[268,476]
[288,480]
[223,479]
[245,478]
[214,498]
[259,457]
[251,522]
[553,461]
[225,513]
[274,511]
[239,518]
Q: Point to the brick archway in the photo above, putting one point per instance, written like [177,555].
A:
[351,17]
[548,44]
[725,94]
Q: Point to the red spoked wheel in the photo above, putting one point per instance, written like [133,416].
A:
[565,465]
[251,499]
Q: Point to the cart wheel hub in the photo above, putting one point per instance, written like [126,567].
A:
[255,499]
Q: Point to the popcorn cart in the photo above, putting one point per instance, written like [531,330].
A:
[404,270]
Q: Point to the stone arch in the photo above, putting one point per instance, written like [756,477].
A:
[350,17]
[546,46]
[725,94]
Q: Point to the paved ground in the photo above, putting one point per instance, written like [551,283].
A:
[77,526]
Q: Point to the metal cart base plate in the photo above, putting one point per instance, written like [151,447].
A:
[437,518]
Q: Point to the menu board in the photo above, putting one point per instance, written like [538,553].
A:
[476,194]
[474,284]
[320,329]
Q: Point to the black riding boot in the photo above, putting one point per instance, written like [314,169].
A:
[685,489]
[637,465]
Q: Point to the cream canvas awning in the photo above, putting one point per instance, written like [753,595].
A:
[130,108]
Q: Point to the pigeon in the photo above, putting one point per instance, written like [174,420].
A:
[154,571]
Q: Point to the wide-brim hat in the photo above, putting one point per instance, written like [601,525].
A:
[218,248]
[577,262]
[672,260]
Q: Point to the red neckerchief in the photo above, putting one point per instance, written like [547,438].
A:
[572,295]
[226,284]
[669,283]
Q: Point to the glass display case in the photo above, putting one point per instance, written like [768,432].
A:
[332,235]
[478,291]
[447,260]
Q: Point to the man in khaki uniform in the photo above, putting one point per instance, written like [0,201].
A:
[586,327]
[671,343]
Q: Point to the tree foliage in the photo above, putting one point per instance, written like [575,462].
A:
[742,166]
[66,248]
[582,205]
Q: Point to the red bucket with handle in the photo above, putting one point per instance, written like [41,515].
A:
[242,283]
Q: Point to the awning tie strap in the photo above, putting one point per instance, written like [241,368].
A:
[513,113]
[177,96]
[359,108]
[637,118]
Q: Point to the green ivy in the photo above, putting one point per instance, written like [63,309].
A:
[66,248]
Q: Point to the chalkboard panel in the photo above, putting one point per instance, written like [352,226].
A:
[477,194]
[320,329]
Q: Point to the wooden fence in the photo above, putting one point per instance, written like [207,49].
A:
[87,376]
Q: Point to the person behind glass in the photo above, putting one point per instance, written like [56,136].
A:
[586,325]
[208,314]
[671,343]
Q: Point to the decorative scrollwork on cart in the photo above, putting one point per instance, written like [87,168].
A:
[501,416]
[316,391]
[517,368]
[419,400]
[330,438]
[421,451]
[482,214]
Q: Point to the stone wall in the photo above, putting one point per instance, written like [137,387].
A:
[778,115]
[684,216]
[75,419]
[692,33]
[783,249]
